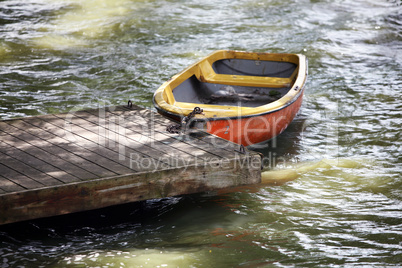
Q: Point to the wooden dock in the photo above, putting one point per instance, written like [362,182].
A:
[83,160]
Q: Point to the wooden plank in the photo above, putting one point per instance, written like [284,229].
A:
[81,137]
[1,190]
[27,170]
[7,185]
[140,148]
[86,168]
[122,152]
[39,164]
[51,159]
[140,127]
[160,141]
[70,152]
[117,141]
[19,178]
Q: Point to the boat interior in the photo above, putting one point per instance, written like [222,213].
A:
[238,82]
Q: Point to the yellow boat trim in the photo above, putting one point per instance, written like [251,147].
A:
[203,70]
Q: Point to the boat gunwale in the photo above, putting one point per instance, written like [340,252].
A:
[196,118]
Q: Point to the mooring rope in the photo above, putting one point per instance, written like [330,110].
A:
[177,128]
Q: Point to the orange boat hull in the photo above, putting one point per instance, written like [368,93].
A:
[255,129]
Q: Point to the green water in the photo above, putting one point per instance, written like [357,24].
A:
[342,203]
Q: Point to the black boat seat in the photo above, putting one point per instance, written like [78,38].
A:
[208,75]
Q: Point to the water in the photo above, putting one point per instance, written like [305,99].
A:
[333,195]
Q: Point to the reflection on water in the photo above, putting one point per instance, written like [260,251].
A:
[344,206]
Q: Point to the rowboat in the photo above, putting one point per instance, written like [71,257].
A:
[243,97]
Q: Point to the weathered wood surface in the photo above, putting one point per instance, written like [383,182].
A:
[57,164]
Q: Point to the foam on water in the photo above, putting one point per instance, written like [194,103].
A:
[83,22]
[134,258]
[280,176]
